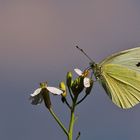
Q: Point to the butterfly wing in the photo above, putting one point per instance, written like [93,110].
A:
[120,77]
[122,85]
[129,58]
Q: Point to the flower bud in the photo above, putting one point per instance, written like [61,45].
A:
[69,79]
[77,85]
[63,88]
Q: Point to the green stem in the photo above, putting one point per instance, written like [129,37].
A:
[59,122]
[72,119]
[70,94]
[65,100]
[78,136]
[71,123]
[71,126]
[81,99]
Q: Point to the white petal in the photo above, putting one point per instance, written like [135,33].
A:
[36,92]
[86,82]
[78,71]
[54,90]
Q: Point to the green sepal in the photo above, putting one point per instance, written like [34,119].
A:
[46,97]
[43,85]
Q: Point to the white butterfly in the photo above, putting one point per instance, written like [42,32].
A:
[119,75]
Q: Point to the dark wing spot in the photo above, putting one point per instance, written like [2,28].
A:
[138,64]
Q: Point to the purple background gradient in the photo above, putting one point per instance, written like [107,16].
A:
[37,40]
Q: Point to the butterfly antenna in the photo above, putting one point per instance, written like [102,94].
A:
[84,53]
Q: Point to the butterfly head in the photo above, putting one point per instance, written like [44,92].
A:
[96,70]
[92,65]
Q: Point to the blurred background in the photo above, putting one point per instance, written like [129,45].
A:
[37,43]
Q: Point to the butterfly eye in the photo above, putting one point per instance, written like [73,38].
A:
[138,64]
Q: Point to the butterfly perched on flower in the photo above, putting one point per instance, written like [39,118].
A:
[119,74]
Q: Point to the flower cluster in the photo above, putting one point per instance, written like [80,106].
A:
[75,87]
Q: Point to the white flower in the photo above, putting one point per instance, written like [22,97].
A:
[37,97]
[85,73]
